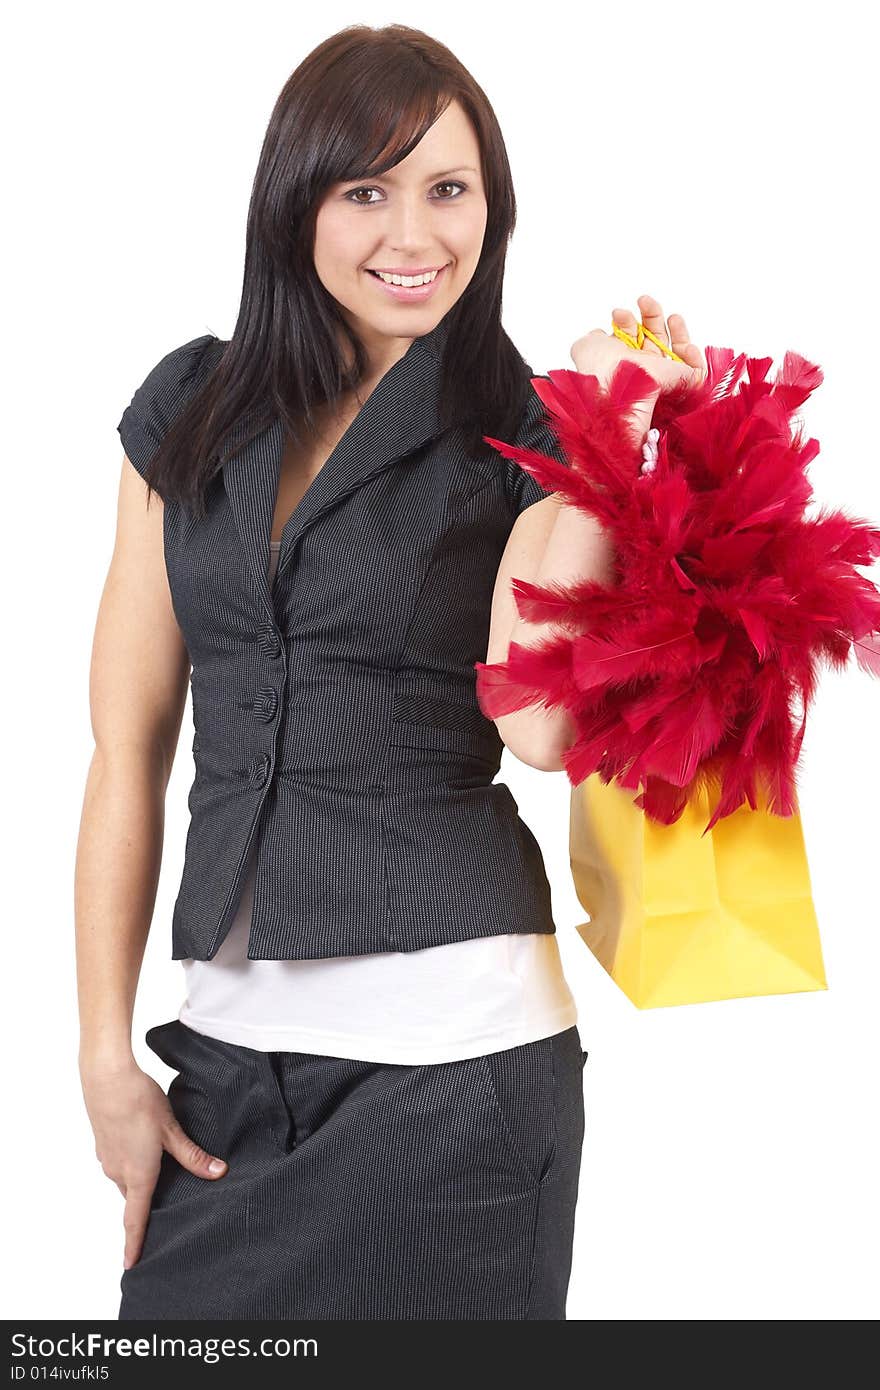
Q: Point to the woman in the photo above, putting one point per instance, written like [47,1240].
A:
[378,1111]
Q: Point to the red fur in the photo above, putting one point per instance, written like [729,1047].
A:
[682,673]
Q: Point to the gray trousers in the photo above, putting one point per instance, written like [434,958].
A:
[365,1190]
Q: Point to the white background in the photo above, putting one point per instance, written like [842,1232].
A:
[721,158]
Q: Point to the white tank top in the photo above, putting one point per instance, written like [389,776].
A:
[439,1004]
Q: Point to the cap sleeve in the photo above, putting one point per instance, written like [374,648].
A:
[156,402]
[534,433]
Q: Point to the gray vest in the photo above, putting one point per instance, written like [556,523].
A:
[335,715]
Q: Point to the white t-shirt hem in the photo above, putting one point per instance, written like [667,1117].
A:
[376,1049]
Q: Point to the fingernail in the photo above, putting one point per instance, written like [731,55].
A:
[216,1165]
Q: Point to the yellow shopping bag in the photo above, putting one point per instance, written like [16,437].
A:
[678,917]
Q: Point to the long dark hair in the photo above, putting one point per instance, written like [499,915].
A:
[356,106]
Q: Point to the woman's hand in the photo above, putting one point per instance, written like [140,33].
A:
[598,353]
[133,1122]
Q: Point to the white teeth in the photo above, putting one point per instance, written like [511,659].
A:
[407,279]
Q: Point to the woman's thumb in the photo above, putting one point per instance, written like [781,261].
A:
[190,1155]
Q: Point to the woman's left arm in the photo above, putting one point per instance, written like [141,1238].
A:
[554,543]
[549,543]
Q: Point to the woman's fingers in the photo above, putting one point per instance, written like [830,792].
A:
[138,1191]
[679,333]
[190,1155]
[681,343]
[135,1218]
[694,358]
[652,317]
[625,319]
[681,340]
[675,335]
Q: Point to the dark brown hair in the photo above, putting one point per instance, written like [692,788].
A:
[355,106]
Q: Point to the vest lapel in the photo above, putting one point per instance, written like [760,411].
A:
[398,416]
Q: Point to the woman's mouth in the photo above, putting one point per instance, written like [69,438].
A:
[408,292]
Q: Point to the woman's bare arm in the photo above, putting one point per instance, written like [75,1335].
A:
[138,684]
[137,690]
[549,542]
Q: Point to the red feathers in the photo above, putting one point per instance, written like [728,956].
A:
[682,674]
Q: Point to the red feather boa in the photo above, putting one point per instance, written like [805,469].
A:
[680,675]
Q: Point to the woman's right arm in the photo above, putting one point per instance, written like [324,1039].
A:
[137,689]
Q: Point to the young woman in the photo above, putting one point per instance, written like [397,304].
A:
[378,1107]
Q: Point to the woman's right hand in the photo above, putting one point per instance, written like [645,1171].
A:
[133,1122]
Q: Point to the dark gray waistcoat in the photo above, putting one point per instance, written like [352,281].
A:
[335,714]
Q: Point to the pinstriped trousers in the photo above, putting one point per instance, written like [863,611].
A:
[365,1190]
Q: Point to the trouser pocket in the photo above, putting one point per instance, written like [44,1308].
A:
[521,1083]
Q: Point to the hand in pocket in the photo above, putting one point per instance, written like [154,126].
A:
[133,1123]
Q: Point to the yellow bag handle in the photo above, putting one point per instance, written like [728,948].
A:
[639,342]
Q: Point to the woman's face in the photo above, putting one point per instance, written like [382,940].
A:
[427,213]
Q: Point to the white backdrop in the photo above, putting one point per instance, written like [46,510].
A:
[720,158]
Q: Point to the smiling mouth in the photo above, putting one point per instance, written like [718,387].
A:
[406,274]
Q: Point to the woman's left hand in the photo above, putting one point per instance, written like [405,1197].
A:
[598,353]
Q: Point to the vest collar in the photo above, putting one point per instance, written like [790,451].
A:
[399,415]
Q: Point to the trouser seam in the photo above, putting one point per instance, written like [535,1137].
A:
[547,1179]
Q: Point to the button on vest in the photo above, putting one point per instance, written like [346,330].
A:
[260,769]
[268,640]
[266,704]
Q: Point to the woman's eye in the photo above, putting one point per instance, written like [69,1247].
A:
[447,183]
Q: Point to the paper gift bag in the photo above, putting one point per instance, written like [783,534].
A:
[679,917]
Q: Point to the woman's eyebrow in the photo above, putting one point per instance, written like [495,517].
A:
[444,173]
[459,169]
